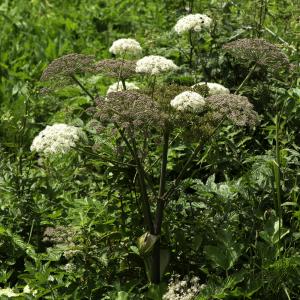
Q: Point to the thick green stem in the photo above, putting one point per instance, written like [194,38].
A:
[141,180]
[160,209]
[145,199]
[162,183]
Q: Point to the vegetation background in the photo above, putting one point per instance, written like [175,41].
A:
[235,221]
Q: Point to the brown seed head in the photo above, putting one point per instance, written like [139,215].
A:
[129,109]
[68,65]
[236,108]
[259,51]
[117,68]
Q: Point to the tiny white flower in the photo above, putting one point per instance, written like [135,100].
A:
[126,46]
[154,64]
[195,22]
[28,290]
[214,88]
[189,101]
[186,289]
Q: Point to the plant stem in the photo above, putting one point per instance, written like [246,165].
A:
[162,183]
[141,179]
[123,84]
[145,200]
[82,87]
[156,272]
[277,180]
[191,49]
[246,78]
[153,86]
[191,6]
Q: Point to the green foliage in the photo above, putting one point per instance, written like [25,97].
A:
[233,220]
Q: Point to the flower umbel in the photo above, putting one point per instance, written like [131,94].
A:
[213,88]
[258,51]
[185,289]
[195,22]
[155,64]
[117,68]
[189,101]
[8,292]
[126,46]
[55,139]
[236,108]
[129,109]
[62,69]
[62,240]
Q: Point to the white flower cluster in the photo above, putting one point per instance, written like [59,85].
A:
[186,289]
[189,101]
[118,86]
[10,293]
[58,138]
[195,22]
[126,46]
[214,88]
[28,290]
[154,64]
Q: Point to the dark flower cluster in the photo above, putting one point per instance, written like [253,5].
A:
[258,51]
[235,108]
[59,235]
[62,240]
[129,109]
[117,68]
[61,70]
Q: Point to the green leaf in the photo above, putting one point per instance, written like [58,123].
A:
[122,296]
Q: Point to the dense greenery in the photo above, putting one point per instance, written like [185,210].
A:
[72,226]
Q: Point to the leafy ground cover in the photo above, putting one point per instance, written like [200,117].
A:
[181,182]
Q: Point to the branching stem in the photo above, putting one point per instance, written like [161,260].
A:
[246,78]
[82,87]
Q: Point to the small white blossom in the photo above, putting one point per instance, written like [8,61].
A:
[186,289]
[188,101]
[58,138]
[8,292]
[126,46]
[214,88]
[28,290]
[154,64]
[51,278]
[69,267]
[195,22]
[118,86]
